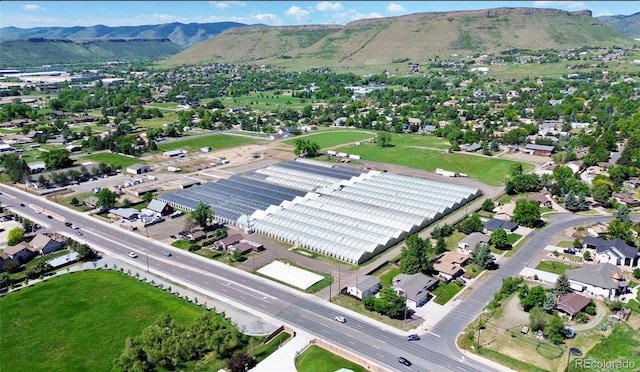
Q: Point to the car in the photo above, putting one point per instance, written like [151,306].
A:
[340,319]
[79,233]
[68,224]
[75,227]
[404,361]
[166,254]
[413,337]
[49,217]
[575,351]
[461,280]
[570,251]
[173,237]
[22,204]
[132,255]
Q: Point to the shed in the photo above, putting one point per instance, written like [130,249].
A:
[138,169]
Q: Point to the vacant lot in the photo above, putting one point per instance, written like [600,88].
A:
[115,160]
[80,321]
[215,141]
[334,138]
[623,345]
[489,170]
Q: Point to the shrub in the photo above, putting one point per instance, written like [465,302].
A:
[590,310]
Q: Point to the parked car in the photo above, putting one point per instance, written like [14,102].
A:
[570,251]
[340,319]
[404,361]
[413,337]
[132,255]
[173,237]
[166,254]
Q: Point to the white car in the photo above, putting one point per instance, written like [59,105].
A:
[340,319]
[132,255]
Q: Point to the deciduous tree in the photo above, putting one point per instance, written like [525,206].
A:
[526,213]
[499,239]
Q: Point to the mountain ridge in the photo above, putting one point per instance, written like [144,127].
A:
[626,24]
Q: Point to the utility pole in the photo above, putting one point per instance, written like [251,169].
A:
[330,284]
[479,328]
[406,297]
[146,253]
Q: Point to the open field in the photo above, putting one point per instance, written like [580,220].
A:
[621,346]
[215,141]
[168,117]
[491,171]
[116,160]
[268,101]
[85,313]
[334,138]
[317,359]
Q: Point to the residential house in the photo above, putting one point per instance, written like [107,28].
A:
[534,149]
[159,207]
[615,252]
[228,241]
[599,229]
[471,148]
[428,129]
[197,235]
[20,252]
[4,258]
[505,211]
[602,279]
[125,213]
[36,167]
[449,265]
[628,199]
[43,244]
[363,287]
[416,288]
[340,122]
[541,198]
[471,241]
[237,110]
[494,224]
[572,303]
[138,169]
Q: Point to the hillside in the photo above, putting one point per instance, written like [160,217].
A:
[38,51]
[182,34]
[378,42]
[626,25]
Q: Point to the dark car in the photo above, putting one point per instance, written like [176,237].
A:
[22,204]
[413,337]
[404,361]
[49,217]
[575,351]
[68,224]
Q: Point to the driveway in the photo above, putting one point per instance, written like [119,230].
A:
[601,314]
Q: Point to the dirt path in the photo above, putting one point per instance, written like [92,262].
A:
[601,313]
[513,315]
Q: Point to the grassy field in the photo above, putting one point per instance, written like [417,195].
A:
[387,277]
[66,201]
[215,141]
[267,101]
[491,171]
[317,359]
[87,319]
[115,160]
[419,140]
[621,346]
[555,267]
[334,138]
[265,350]
[445,292]
[167,117]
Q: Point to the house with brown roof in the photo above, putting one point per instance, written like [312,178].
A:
[20,252]
[471,241]
[226,242]
[572,303]
[43,244]
[449,265]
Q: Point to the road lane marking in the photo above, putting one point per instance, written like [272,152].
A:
[431,333]
[325,331]
[380,355]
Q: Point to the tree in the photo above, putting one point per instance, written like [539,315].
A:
[441,246]
[622,213]
[537,319]
[203,215]
[306,148]
[74,201]
[106,198]
[147,196]
[532,298]
[526,213]
[15,236]
[555,330]
[85,252]
[383,139]
[549,303]
[57,159]
[562,285]
[470,224]
[241,363]
[5,279]
[636,273]
[586,255]
[413,258]
[499,239]
[488,205]
[602,194]
[620,230]
[483,257]
[189,223]
[575,203]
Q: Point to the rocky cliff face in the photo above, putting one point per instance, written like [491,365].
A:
[254,29]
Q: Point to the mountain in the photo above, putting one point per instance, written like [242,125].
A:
[39,51]
[626,25]
[182,34]
[377,43]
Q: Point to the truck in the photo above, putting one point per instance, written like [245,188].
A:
[446,173]
[173,169]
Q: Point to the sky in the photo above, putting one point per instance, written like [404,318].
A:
[274,13]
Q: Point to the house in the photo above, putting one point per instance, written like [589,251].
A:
[428,129]
[44,244]
[449,265]
[615,252]
[4,258]
[340,122]
[159,207]
[541,198]
[19,252]
[602,279]
[471,148]
[237,109]
[599,229]
[505,211]
[572,303]
[363,287]
[73,148]
[138,169]
[228,241]
[494,224]
[415,288]
[126,213]
[539,149]
[197,235]
[471,241]
[35,167]
[628,199]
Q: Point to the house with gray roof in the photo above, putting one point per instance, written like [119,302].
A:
[471,241]
[126,213]
[602,279]
[43,244]
[159,207]
[615,252]
[416,288]
[363,287]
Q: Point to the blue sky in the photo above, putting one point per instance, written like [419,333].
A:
[129,13]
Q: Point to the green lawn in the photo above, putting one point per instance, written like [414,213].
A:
[621,346]
[555,267]
[215,141]
[182,244]
[80,321]
[387,277]
[116,160]
[489,170]
[419,140]
[445,292]
[265,350]
[317,359]
[267,101]
[513,238]
[66,201]
[334,138]
[167,117]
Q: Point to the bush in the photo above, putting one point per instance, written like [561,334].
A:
[193,247]
[590,310]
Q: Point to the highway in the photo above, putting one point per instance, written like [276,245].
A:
[436,351]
